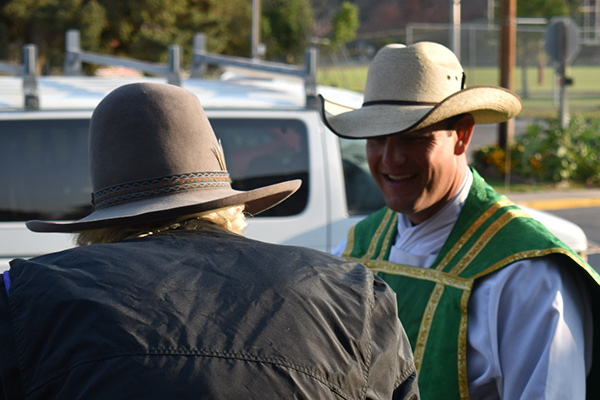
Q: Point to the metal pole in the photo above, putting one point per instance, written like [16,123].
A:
[72,64]
[30,82]
[310,80]
[255,28]
[562,73]
[472,52]
[174,74]
[455,37]
[198,70]
[490,11]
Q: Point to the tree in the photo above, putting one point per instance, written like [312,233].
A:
[45,22]
[132,28]
[542,8]
[345,24]
[144,29]
[286,28]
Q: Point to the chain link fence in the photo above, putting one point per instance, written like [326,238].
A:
[479,43]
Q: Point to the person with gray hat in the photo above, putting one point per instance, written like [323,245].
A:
[168,301]
[494,305]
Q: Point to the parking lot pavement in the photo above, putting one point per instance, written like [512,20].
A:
[558,199]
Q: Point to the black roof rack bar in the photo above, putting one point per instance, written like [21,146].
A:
[75,57]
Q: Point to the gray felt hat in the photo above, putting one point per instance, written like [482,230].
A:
[412,87]
[154,155]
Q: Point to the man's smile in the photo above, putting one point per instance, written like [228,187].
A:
[394,178]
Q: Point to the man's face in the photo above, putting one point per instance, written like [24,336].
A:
[418,172]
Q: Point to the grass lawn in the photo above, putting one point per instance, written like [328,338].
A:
[540,101]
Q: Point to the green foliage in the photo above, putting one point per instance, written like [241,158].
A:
[546,153]
[345,25]
[44,23]
[286,29]
[542,8]
[144,29]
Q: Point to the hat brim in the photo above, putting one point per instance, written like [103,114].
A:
[173,205]
[487,105]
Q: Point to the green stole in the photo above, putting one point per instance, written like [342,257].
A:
[490,233]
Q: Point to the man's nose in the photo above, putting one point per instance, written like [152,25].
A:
[393,152]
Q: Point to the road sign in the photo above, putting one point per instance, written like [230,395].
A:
[563,45]
[563,39]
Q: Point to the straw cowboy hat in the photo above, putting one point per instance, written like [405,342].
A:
[154,155]
[412,87]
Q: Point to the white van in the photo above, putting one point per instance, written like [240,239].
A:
[268,134]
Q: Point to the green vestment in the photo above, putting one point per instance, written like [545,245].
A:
[490,233]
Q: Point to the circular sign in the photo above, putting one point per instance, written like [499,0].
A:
[563,39]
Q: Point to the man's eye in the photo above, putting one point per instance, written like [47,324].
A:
[417,139]
[378,141]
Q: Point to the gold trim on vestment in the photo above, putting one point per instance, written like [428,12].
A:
[374,240]
[410,271]
[388,238]
[485,238]
[471,231]
[533,254]
[463,378]
[380,230]
[426,323]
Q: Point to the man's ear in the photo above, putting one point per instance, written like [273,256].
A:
[464,131]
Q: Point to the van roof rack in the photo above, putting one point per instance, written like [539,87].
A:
[75,56]
[308,72]
[28,71]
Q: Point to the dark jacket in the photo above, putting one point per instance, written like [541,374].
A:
[198,314]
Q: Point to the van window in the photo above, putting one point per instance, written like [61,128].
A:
[362,193]
[44,170]
[262,152]
[44,164]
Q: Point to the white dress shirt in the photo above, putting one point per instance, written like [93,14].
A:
[530,324]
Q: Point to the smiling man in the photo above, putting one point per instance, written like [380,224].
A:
[495,306]
[418,172]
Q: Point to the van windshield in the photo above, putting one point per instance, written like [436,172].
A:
[362,194]
[44,164]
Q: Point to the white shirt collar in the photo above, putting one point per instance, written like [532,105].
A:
[419,245]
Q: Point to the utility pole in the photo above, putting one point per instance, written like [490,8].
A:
[455,37]
[508,59]
[255,41]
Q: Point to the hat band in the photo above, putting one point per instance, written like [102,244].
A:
[398,103]
[169,184]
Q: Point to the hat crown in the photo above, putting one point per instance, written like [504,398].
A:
[154,155]
[145,131]
[425,72]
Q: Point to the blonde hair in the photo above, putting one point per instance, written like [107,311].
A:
[229,218]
